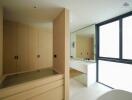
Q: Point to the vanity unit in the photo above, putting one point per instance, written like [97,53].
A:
[88,67]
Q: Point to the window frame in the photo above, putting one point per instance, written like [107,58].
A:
[119,41]
[120,59]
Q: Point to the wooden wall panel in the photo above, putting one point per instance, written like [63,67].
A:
[67,53]
[84,47]
[55,94]
[1,41]
[10,47]
[22,48]
[27,42]
[59,43]
[32,46]
[91,47]
[45,43]
[61,48]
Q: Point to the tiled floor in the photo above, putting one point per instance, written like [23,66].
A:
[79,92]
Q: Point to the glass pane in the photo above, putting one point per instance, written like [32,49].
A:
[127,38]
[116,75]
[109,40]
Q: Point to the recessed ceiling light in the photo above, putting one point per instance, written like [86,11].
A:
[126,4]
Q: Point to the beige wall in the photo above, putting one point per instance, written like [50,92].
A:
[1,41]
[84,47]
[61,47]
[27,42]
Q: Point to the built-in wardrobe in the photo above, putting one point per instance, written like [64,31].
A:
[26,47]
[29,48]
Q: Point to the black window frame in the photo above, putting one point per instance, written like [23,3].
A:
[120,59]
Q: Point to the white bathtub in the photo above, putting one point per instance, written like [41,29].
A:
[116,95]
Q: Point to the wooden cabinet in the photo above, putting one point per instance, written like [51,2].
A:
[32,46]
[44,49]
[26,48]
[46,88]
[10,47]
[15,48]
[22,48]
[54,94]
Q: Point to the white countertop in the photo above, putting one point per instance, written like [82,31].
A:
[81,65]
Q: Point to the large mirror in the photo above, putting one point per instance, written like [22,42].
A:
[82,52]
[82,45]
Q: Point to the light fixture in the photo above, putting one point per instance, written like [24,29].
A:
[126,4]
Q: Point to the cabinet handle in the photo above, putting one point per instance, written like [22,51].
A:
[16,57]
[38,56]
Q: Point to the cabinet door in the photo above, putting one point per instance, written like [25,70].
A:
[22,43]
[10,47]
[33,48]
[45,49]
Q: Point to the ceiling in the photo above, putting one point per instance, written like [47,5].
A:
[82,12]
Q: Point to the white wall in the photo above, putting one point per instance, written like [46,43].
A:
[1,41]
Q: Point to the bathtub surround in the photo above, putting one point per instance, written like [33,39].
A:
[17,79]
[1,41]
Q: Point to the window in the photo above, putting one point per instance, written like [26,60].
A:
[115,75]
[108,33]
[114,52]
[127,37]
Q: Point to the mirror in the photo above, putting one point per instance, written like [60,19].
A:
[82,44]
